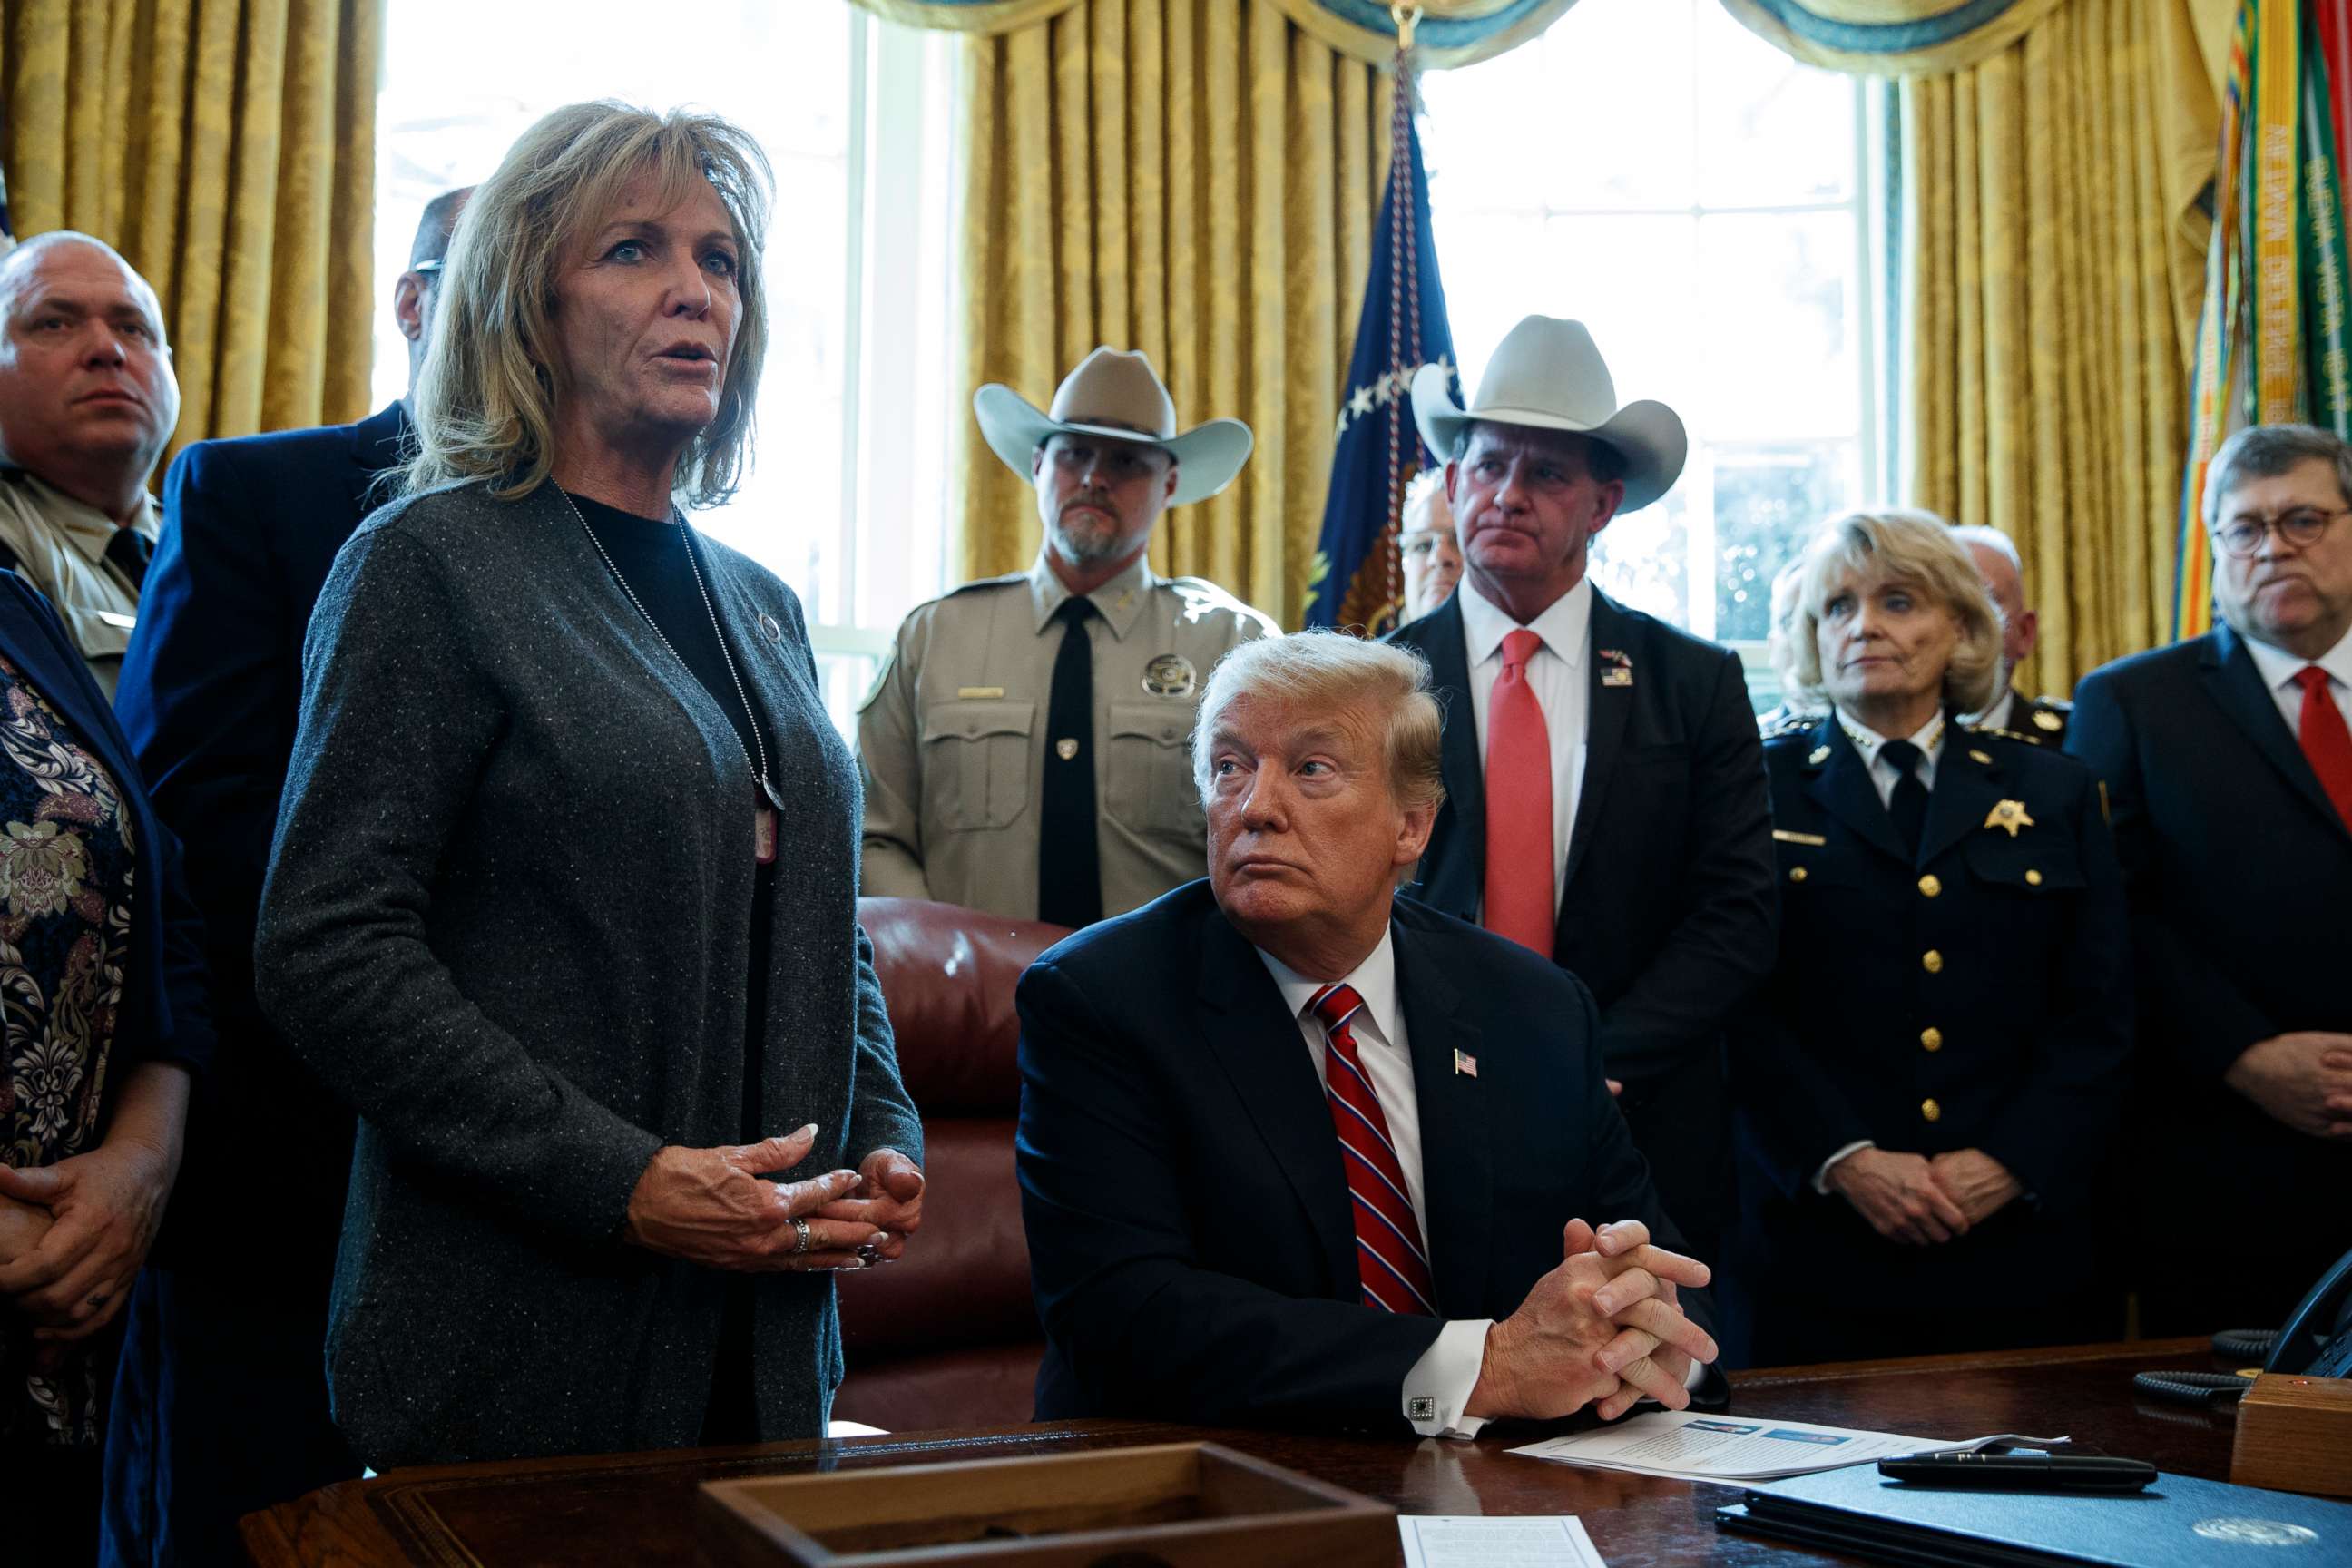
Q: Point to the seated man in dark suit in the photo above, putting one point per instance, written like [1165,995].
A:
[1295,1152]
[222,1397]
[2227,765]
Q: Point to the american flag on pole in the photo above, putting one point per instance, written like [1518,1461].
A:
[1357,581]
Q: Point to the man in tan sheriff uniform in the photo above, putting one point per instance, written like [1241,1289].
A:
[1025,752]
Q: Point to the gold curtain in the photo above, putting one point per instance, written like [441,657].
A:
[227,149]
[2054,258]
[1197,179]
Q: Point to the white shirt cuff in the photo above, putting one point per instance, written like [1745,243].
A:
[1440,1383]
[1822,1176]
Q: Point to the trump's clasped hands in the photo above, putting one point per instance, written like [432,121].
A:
[1603,1329]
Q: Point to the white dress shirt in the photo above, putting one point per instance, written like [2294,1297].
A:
[1557,675]
[2280,668]
[1929,739]
[1448,1370]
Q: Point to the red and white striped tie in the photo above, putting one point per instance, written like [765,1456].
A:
[1391,1262]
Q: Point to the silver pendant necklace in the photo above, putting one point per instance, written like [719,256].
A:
[764,805]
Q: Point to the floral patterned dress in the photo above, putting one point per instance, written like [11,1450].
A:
[65,938]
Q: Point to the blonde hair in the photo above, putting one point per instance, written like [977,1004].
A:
[1423,494]
[1321,670]
[485,399]
[1915,549]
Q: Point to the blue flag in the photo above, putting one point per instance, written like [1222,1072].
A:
[1357,581]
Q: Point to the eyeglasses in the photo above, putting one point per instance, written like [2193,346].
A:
[2243,536]
[427,269]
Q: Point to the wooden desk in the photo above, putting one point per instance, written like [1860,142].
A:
[634,1508]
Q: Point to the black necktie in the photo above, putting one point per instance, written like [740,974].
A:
[1908,806]
[1069,866]
[129,550]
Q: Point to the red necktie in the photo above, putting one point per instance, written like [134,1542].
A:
[1519,849]
[1391,1263]
[2325,741]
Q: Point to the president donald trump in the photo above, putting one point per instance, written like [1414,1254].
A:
[1295,1152]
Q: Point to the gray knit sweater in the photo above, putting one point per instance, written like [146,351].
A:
[509,920]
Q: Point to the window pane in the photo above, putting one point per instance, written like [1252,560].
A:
[1771,131]
[1643,559]
[1768,500]
[1774,300]
[1597,113]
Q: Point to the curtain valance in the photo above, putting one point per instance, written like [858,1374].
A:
[1450,32]
[1892,37]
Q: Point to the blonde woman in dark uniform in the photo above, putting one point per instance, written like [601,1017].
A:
[1927,1081]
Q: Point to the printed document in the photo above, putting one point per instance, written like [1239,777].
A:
[1681,1446]
[1468,1540]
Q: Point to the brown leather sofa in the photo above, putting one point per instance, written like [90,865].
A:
[948,1336]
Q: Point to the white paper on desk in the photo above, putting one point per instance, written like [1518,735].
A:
[1468,1540]
[1681,1446]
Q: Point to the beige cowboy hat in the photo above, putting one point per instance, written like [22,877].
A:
[1548,374]
[1118,395]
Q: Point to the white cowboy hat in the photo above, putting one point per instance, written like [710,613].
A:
[1118,395]
[1548,374]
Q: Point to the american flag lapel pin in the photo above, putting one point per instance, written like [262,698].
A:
[1616,669]
[1465,1065]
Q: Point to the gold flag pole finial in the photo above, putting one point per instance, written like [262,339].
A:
[1406,18]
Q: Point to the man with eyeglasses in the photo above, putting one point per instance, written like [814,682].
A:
[1024,749]
[2228,764]
[221,1400]
[87,400]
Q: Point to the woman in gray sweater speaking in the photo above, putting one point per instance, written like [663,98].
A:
[563,895]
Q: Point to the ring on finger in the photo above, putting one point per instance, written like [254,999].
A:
[99,1299]
[799,1236]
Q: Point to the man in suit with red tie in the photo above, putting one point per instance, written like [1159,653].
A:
[2228,766]
[1294,1152]
[1605,792]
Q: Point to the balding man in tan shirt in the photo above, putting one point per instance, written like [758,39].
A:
[88,401]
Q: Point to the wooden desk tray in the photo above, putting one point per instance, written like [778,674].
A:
[1182,1505]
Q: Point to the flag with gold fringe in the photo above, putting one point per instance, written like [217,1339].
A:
[2271,340]
[1356,582]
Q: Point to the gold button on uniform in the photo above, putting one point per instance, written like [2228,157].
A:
[1932,1038]
[1931,1110]
[1932,961]
[2033,878]
[1796,873]
[1931,884]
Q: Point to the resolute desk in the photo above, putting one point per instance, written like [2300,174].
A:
[636,1508]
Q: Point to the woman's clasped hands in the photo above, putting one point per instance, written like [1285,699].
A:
[715,1207]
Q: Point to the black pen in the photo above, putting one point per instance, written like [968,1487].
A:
[2028,1469]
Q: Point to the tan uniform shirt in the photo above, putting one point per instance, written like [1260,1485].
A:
[60,547]
[953,739]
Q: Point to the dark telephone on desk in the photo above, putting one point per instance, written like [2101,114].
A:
[2315,1342]
[2317,1339]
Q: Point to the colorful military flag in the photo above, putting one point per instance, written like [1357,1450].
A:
[2271,343]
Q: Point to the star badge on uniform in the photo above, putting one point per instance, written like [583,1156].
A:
[2009,814]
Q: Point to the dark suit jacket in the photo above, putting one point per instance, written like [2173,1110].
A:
[1668,912]
[210,692]
[1190,1231]
[2240,875]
